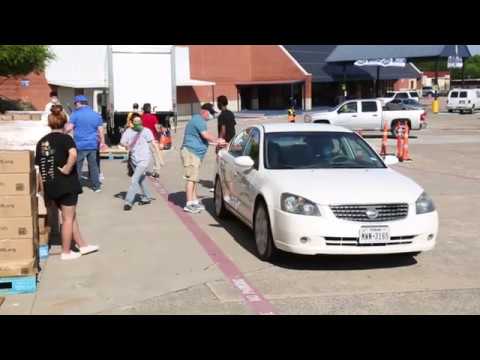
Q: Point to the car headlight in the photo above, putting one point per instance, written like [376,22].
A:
[424,204]
[307,118]
[298,205]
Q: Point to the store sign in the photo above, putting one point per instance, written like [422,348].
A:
[454,62]
[24,83]
[387,62]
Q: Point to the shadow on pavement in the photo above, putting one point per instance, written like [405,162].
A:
[243,235]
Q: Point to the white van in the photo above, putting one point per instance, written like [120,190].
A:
[463,100]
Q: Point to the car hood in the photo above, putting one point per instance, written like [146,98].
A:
[347,186]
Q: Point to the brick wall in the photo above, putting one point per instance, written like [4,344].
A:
[37,92]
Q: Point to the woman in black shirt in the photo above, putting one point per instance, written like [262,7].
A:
[56,156]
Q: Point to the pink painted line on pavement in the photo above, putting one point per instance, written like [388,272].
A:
[252,297]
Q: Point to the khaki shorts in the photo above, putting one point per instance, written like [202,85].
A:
[191,164]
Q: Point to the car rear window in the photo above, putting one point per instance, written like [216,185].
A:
[414,94]
[463,94]
[402,95]
[454,94]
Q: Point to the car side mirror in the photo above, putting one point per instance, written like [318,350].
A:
[390,160]
[245,162]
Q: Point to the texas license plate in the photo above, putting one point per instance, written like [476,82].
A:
[374,235]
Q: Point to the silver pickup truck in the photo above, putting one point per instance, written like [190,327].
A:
[368,115]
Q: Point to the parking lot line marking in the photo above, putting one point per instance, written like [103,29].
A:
[252,296]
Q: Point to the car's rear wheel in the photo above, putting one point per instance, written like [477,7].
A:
[450,110]
[263,233]
[220,209]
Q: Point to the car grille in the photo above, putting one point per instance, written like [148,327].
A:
[385,212]
[350,241]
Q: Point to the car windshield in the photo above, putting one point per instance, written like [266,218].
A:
[319,150]
[413,94]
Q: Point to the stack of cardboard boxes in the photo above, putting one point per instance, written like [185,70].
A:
[19,232]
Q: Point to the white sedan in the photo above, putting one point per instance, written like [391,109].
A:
[321,189]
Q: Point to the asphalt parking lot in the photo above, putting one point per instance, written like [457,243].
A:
[154,261]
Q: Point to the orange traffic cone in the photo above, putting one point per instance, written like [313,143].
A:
[406,154]
[400,143]
[383,150]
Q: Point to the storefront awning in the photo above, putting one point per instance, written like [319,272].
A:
[266,82]
[192,82]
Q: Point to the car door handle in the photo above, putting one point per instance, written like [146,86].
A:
[354,115]
[375,115]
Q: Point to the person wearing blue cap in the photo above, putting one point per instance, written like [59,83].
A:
[87,126]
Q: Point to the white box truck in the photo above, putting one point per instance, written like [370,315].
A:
[139,74]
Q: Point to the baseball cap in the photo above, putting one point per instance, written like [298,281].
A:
[80,98]
[209,108]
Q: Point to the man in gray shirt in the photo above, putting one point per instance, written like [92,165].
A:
[139,142]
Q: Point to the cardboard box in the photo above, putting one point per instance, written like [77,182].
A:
[21,116]
[42,223]
[18,206]
[18,184]
[44,238]
[14,250]
[16,162]
[6,117]
[19,268]
[19,228]
[42,209]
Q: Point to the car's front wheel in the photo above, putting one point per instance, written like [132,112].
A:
[220,209]
[266,249]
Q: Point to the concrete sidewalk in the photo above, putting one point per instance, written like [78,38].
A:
[146,255]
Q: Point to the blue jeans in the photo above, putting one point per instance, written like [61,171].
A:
[93,170]
[139,185]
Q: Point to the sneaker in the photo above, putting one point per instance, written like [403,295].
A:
[127,207]
[192,209]
[199,205]
[70,256]
[97,190]
[144,202]
[101,177]
[88,249]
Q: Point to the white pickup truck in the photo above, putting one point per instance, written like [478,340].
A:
[368,115]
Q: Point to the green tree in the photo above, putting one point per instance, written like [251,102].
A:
[17,60]
[472,67]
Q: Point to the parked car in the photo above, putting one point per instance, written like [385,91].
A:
[428,91]
[321,189]
[391,95]
[368,115]
[463,100]
[404,104]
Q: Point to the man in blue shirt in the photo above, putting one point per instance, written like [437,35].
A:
[195,146]
[87,126]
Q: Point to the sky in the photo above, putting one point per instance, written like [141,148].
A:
[474,49]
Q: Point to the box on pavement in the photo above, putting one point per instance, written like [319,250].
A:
[16,162]
[44,238]
[18,206]
[17,250]
[42,209]
[18,228]
[18,184]
[19,268]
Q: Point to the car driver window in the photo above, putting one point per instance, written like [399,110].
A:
[237,146]
[348,108]
[253,147]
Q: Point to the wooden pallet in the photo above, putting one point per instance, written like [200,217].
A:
[18,285]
